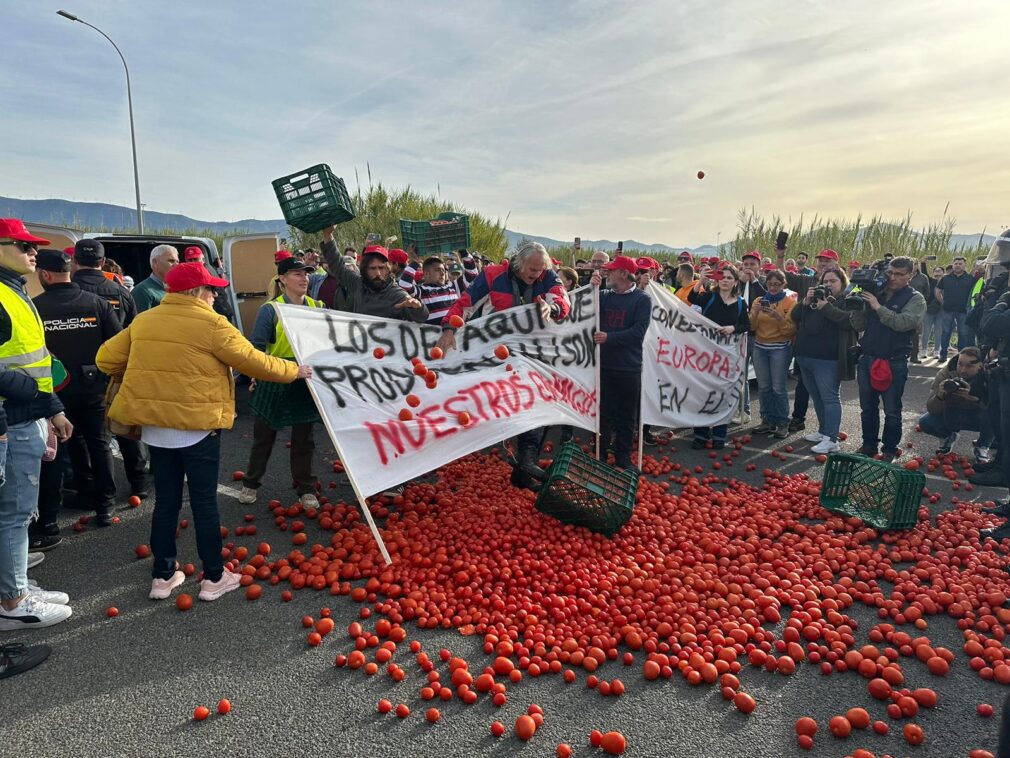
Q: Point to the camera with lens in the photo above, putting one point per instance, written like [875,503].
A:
[872,279]
[820,293]
[955,384]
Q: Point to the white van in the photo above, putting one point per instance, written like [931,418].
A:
[248,261]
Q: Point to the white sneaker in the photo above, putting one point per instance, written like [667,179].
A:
[309,500]
[813,437]
[33,613]
[213,590]
[162,588]
[34,559]
[825,446]
[247,495]
[47,596]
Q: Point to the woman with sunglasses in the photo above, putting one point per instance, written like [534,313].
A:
[724,306]
[773,331]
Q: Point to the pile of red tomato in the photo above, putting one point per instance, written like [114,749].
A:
[693,585]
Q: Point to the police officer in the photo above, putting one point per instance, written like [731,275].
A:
[87,273]
[995,331]
[76,324]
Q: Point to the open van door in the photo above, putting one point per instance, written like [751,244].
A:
[249,261]
[59,237]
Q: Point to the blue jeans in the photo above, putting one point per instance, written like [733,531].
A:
[771,365]
[947,323]
[930,328]
[869,402]
[820,377]
[714,433]
[199,465]
[19,497]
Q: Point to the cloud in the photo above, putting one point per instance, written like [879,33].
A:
[582,119]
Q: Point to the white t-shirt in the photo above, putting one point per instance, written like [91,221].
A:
[159,436]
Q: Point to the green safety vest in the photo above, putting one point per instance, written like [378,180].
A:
[975,292]
[26,349]
[280,346]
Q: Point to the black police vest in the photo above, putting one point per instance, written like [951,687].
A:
[71,318]
[880,341]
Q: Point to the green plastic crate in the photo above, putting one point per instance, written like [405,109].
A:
[447,232]
[881,495]
[284,405]
[313,199]
[583,491]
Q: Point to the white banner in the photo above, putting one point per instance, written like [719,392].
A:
[691,374]
[547,378]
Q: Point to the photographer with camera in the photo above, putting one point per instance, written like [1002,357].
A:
[824,339]
[891,314]
[800,283]
[957,400]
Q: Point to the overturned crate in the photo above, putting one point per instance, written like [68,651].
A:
[879,494]
[583,491]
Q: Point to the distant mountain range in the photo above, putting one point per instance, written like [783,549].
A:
[113,217]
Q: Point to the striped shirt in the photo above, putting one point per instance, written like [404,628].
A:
[438,298]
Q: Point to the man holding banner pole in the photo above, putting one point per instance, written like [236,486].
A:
[526,278]
[625,312]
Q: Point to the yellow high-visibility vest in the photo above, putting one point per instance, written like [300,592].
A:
[26,349]
[280,346]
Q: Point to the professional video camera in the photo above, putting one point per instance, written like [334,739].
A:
[872,279]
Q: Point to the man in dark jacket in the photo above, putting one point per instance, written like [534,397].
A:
[954,291]
[625,313]
[26,381]
[371,288]
[889,324]
[996,332]
[87,274]
[958,400]
[76,324]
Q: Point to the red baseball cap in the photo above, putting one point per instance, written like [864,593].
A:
[828,254]
[855,264]
[187,276]
[281,255]
[396,255]
[376,250]
[14,229]
[880,375]
[646,263]
[193,253]
[768,267]
[622,262]
[69,251]
[686,254]
[752,254]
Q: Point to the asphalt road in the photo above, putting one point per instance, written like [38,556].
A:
[127,686]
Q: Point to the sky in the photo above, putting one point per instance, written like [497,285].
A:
[586,119]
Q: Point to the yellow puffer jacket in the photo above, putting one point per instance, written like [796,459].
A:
[176,361]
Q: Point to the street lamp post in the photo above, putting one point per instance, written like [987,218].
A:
[129,101]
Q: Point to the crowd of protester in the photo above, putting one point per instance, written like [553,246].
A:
[96,362]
